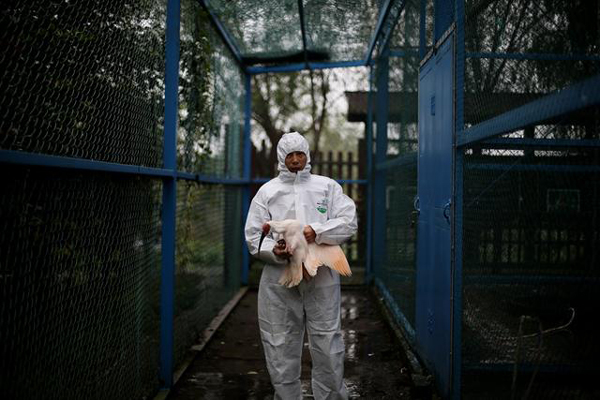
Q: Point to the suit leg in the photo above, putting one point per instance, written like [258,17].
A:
[281,322]
[326,343]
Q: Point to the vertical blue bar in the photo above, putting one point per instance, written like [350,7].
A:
[457,288]
[167,285]
[369,151]
[246,173]
[423,30]
[443,14]
[379,181]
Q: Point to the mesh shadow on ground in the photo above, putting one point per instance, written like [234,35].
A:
[232,365]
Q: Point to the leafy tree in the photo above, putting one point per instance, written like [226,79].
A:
[277,101]
[196,87]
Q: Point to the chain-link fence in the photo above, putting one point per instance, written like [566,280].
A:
[84,80]
[530,202]
[397,270]
[80,258]
[530,266]
[208,257]
[526,177]
[82,98]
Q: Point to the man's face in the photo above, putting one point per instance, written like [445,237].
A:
[295,161]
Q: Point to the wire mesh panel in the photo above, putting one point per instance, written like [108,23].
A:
[83,80]
[261,29]
[530,262]
[79,278]
[267,32]
[340,30]
[530,202]
[80,251]
[208,257]
[429,8]
[211,99]
[398,270]
[519,50]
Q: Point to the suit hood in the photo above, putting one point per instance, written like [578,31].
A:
[289,143]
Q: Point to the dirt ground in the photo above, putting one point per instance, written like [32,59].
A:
[232,365]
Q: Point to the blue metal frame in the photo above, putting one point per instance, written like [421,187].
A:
[390,23]
[201,178]
[534,56]
[167,284]
[396,311]
[376,39]
[541,143]
[303,31]
[403,160]
[423,29]
[378,176]
[229,42]
[302,66]
[535,167]
[369,150]
[434,295]
[43,160]
[577,96]
[340,181]
[503,279]
[385,10]
[457,199]
[247,154]
[443,17]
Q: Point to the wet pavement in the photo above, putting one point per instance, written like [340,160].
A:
[232,365]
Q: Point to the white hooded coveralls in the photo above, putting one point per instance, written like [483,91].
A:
[284,313]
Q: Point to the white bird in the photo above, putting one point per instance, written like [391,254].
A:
[309,255]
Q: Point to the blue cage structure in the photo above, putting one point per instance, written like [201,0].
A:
[127,167]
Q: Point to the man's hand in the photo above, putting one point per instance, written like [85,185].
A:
[280,251]
[309,234]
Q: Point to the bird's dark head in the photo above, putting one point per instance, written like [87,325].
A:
[266,228]
[265,231]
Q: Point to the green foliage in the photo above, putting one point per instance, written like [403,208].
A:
[196,87]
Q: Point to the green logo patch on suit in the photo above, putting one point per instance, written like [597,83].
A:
[322,206]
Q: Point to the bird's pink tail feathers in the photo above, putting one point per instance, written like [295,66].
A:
[331,256]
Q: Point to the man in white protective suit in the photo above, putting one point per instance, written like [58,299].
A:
[284,313]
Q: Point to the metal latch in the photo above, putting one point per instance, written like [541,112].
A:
[447,211]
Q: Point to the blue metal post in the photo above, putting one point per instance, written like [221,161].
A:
[224,33]
[369,150]
[379,184]
[246,173]
[384,11]
[575,97]
[442,18]
[457,306]
[301,66]
[167,286]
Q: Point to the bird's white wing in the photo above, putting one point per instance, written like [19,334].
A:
[331,256]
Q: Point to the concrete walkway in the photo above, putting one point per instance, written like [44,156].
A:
[232,366]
